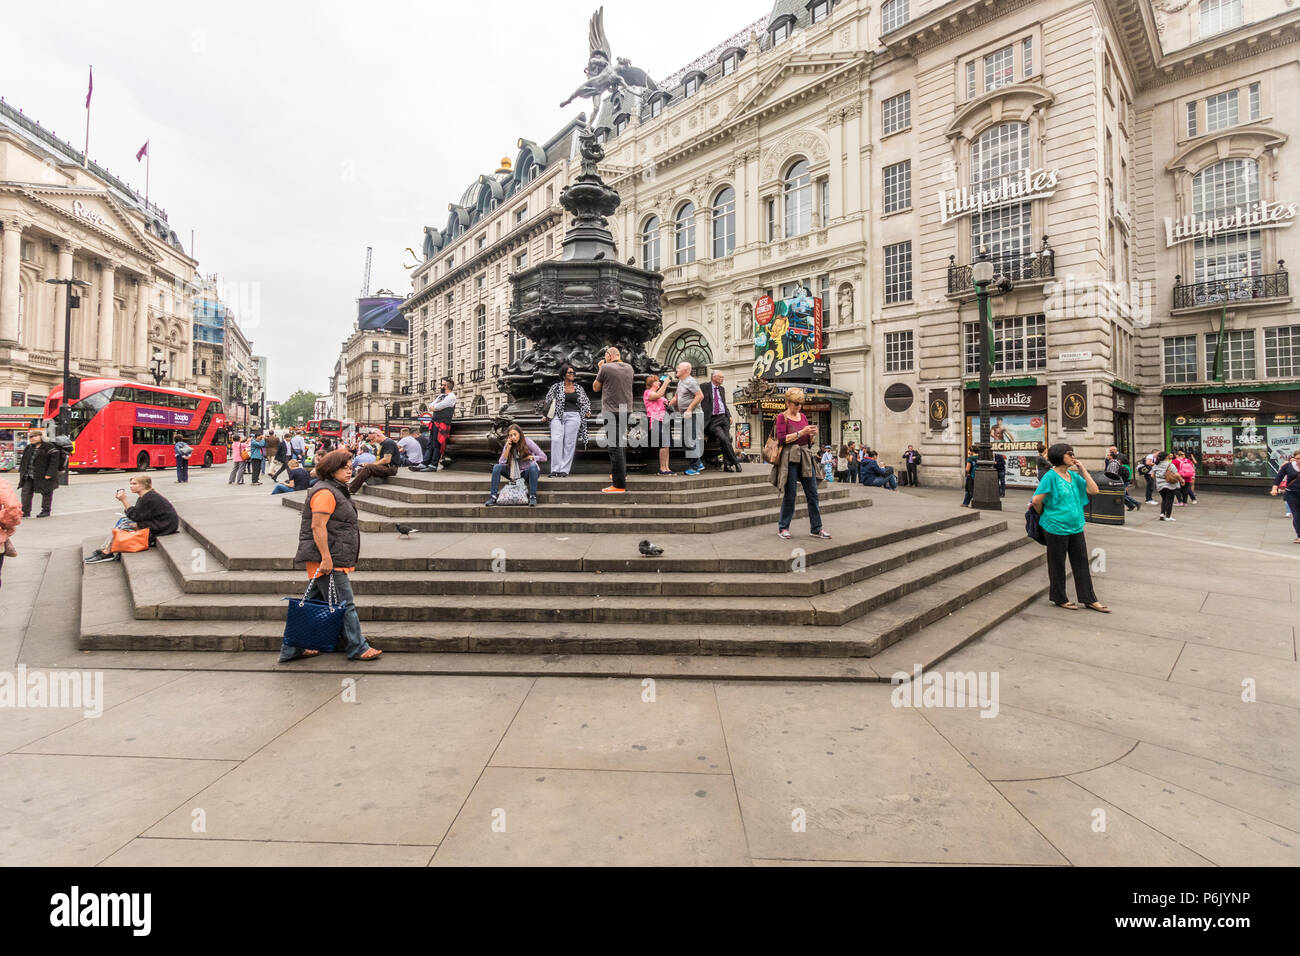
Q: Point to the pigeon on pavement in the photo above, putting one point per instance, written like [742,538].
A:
[405,530]
[650,550]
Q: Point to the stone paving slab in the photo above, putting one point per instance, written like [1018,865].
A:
[198,715]
[1070,817]
[1268,798]
[393,767]
[617,725]
[597,818]
[1274,681]
[873,782]
[1220,833]
[1090,639]
[77,811]
[180,852]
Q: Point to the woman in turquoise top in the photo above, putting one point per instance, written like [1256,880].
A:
[1059,500]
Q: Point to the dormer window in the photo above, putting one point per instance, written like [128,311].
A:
[819,10]
[729,64]
[691,86]
[657,105]
[781,32]
[620,124]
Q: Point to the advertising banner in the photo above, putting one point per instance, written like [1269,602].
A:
[168,417]
[1283,440]
[381,312]
[788,340]
[1216,450]
[1016,436]
[1235,435]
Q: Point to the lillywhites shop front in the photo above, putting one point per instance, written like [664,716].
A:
[1237,437]
[1017,424]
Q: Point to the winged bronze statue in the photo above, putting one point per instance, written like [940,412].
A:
[604,77]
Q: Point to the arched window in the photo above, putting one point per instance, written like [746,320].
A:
[480,336]
[684,235]
[997,156]
[1216,191]
[650,244]
[448,340]
[690,347]
[724,223]
[798,199]
[480,406]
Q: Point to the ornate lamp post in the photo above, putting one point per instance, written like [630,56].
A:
[986,477]
[157,369]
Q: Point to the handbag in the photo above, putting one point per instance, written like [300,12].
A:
[128,540]
[314,625]
[771,450]
[1032,528]
[513,492]
[245,455]
[550,410]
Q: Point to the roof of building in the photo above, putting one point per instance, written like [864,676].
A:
[155,217]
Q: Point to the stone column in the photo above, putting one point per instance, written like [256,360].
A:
[12,253]
[743,237]
[141,358]
[854,200]
[104,348]
[64,271]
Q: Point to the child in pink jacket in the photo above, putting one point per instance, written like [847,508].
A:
[11,516]
[1186,466]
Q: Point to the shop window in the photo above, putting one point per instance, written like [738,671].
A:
[1281,352]
[650,244]
[1180,358]
[1238,354]
[896,113]
[798,199]
[898,272]
[898,186]
[898,351]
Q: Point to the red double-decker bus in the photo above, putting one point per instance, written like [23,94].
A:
[325,427]
[119,424]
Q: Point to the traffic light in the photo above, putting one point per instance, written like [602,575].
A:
[73,393]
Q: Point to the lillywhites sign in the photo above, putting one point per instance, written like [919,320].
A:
[1030,184]
[1011,400]
[1241,403]
[1260,215]
[83,211]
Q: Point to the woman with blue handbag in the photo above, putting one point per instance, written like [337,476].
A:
[1060,499]
[329,543]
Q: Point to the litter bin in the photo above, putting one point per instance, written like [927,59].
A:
[1107,506]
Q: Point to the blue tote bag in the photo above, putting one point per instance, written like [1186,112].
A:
[314,625]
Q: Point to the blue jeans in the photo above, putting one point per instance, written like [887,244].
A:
[890,482]
[531,473]
[182,469]
[793,478]
[354,644]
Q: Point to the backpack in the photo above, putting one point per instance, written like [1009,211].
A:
[1114,470]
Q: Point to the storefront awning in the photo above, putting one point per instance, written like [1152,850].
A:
[838,397]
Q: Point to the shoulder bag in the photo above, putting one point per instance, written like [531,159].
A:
[771,449]
[127,540]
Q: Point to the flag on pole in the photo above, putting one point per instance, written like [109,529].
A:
[142,152]
[90,87]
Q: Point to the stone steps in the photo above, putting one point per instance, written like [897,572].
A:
[650,577]
[937,619]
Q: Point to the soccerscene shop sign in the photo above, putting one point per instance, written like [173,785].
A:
[1235,435]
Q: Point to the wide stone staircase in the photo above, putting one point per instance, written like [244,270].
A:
[565,580]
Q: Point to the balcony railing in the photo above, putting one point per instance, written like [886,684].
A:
[1018,266]
[478,374]
[1274,285]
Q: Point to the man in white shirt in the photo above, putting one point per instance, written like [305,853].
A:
[298,447]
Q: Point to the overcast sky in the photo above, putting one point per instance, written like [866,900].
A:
[289,136]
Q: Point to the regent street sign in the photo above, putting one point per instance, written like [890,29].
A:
[1029,184]
[1258,215]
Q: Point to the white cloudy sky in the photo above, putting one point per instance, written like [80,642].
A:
[291,135]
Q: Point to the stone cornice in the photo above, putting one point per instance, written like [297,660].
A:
[945,24]
[37,194]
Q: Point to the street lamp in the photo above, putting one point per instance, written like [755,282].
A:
[986,495]
[71,301]
[157,369]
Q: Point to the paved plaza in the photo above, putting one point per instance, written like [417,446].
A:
[1162,734]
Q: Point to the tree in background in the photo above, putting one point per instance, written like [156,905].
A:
[299,405]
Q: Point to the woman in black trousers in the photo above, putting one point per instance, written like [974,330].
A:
[1288,483]
[1059,499]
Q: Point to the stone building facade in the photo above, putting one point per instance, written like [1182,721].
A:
[60,219]
[377,369]
[460,299]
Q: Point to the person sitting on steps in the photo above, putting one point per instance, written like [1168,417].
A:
[520,458]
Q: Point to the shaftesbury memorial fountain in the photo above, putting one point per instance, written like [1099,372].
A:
[572,308]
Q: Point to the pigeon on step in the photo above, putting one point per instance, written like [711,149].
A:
[650,550]
[405,530]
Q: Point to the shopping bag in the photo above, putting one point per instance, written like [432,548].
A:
[127,541]
[513,493]
[314,625]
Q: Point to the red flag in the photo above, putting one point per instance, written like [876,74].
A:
[90,87]
[144,151]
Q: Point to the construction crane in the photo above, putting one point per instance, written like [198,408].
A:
[365,283]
